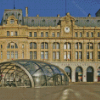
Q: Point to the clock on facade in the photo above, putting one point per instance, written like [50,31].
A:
[67,29]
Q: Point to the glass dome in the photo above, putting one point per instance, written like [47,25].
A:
[31,73]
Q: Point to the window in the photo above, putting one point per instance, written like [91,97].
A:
[80,45]
[42,35]
[80,55]
[57,55]
[80,34]
[46,34]
[69,55]
[1,46]
[8,33]
[53,34]
[91,34]
[98,34]
[65,55]
[56,45]
[12,45]
[76,34]
[12,54]
[16,54]
[30,34]
[58,34]
[11,33]
[44,45]
[22,46]
[91,55]
[76,55]
[33,54]
[54,55]
[98,54]
[33,45]
[76,46]
[46,55]
[1,54]
[89,45]
[67,45]
[98,45]
[35,34]
[23,54]
[42,55]
[11,21]
[15,33]
[87,34]
[8,54]
[87,55]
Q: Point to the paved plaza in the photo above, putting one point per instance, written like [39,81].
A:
[75,91]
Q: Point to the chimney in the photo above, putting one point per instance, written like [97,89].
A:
[37,16]
[26,11]
[89,15]
[58,15]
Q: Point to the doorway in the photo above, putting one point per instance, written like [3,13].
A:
[79,74]
[90,73]
[69,72]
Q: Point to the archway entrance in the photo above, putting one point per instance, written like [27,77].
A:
[98,71]
[69,72]
[79,74]
[90,73]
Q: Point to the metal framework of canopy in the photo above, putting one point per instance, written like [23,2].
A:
[31,73]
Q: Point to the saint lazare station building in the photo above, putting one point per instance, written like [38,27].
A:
[72,43]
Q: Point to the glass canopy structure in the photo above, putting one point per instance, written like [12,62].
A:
[31,73]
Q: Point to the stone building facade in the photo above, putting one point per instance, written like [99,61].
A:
[72,43]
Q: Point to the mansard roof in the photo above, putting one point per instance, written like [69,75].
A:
[48,21]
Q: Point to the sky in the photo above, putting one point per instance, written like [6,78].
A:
[50,8]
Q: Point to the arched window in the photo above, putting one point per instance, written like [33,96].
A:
[44,45]
[56,45]
[67,45]
[78,45]
[1,46]
[98,45]
[33,45]
[89,45]
[12,45]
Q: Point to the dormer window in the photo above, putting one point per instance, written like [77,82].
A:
[11,21]
[87,20]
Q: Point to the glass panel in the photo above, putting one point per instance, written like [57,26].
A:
[35,54]
[11,33]
[8,54]
[54,55]
[46,54]
[42,55]
[12,54]
[35,34]
[46,34]
[16,54]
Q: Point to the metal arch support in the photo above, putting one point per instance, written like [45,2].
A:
[29,75]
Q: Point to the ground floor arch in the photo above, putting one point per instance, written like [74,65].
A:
[90,74]
[79,74]
[98,74]
[69,72]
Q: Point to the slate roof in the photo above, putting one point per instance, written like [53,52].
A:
[48,21]
[41,21]
[87,21]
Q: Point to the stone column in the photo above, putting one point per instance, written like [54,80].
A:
[84,52]
[39,51]
[84,75]
[95,74]
[73,51]
[73,74]
[50,51]
[95,51]
[27,50]
[61,51]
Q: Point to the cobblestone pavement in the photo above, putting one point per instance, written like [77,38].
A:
[82,92]
[71,92]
